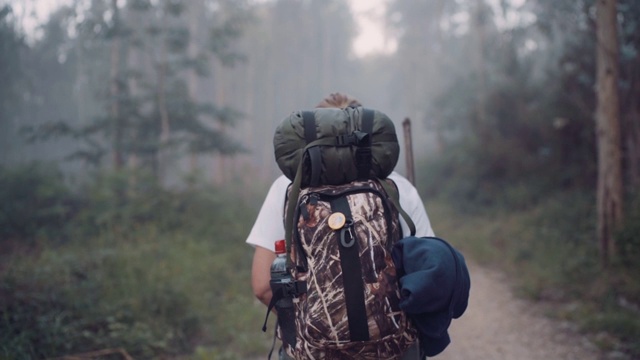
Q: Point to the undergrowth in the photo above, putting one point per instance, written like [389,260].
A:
[549,248]
[173,283]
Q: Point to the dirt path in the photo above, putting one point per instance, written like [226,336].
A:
[499,326]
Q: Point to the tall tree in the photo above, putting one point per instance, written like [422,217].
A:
[114,87]
[142,74]
[610,190]
[11,77]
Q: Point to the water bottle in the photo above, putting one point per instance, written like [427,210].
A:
[281,280]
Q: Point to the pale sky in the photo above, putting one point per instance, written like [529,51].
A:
[369,19]
[369,16]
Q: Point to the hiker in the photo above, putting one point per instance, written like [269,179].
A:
[268,226]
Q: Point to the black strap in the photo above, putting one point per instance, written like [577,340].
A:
[309,122]
[367,121]
[275,297]
[315,156]
[351,274]
[273,342]
[394,196]
[363,152]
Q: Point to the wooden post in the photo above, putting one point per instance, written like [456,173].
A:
[408,148]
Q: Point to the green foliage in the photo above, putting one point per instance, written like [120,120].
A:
[626,285]
[112,201]
[87,90]
[518,162]
[35,203]
[473,177]
[628,237]
[622,325]
[161,273]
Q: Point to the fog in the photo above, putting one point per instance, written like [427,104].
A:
[136,146]
[199,86]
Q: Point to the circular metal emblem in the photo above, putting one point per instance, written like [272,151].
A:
[336,220]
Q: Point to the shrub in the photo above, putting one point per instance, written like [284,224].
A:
[35,203]
[628,238]
[163,285]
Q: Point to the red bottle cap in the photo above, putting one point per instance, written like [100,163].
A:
[281,247]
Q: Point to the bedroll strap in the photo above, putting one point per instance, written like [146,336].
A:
[363,152]
[315,156]
[351,273]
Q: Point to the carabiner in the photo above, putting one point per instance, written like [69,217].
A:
[347,229]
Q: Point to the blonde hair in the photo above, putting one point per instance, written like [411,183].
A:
[338,100]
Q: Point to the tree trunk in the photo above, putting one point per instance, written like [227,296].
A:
[161,68]
[609,193]
[114,89]
[219,96]
[165,129]
[480,126]
[195,8]
[134,58]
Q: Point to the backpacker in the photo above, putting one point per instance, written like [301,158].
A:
[340,228]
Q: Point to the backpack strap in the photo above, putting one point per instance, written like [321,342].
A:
[315,157]
[351,274]
[363,152]
[394,196]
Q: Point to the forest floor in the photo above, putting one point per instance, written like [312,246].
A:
[498,325]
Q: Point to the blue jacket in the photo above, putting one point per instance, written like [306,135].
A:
[434,284]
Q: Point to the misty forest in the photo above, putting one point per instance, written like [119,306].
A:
[136,147]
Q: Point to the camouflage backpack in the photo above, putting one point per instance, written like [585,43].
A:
[339,240]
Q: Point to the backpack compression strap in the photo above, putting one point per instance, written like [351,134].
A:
[315,157]
[363,152]
[394,196]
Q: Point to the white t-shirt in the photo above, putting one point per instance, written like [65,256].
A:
[269,225]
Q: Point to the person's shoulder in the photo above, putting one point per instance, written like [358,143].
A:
[401,182]
[279,185]
[281,182]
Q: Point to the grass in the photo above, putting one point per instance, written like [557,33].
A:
[155,292]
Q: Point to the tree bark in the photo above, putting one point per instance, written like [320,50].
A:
[195,8]
[610,190]
[114,89]
[161,99]
[165,129]
[480,126]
